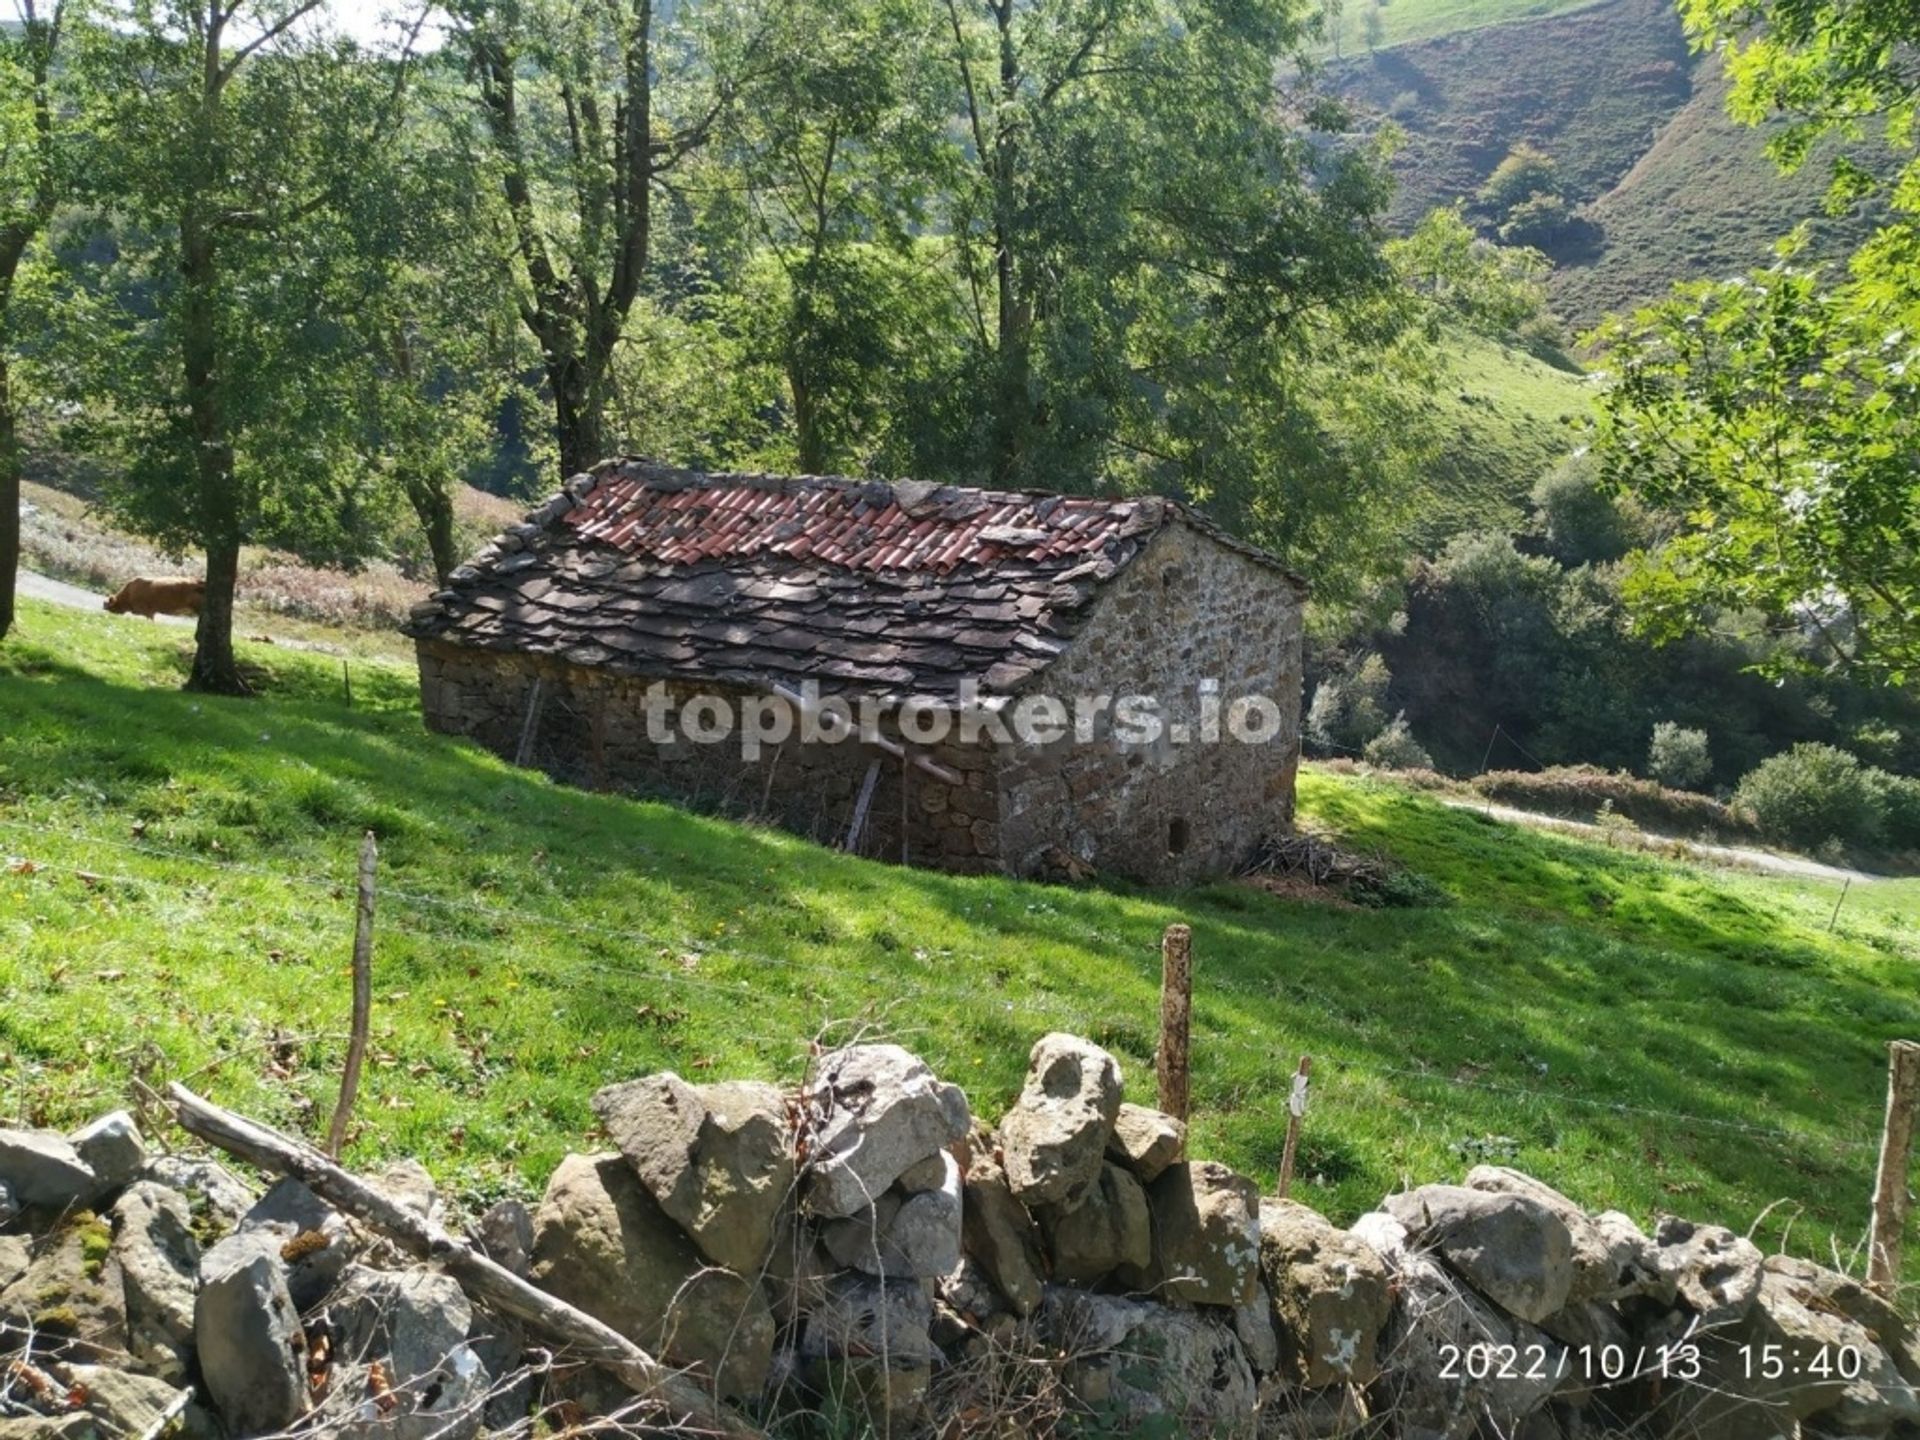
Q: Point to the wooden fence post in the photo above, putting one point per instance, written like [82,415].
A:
[1176,1018]
[362,998]
[1296,1113]
[1890,1197]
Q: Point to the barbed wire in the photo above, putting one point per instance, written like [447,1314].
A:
[899,988]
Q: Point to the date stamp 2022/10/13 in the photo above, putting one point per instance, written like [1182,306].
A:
[1680,1360]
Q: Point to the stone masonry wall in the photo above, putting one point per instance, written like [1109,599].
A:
[1186,610]
[592,731]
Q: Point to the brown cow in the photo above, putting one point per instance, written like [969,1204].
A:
[151,597]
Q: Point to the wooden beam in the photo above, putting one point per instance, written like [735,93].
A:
[880,742]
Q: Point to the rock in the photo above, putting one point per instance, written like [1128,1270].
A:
[409,1182]
[1109,1230]
[77,1426]
[601,1242]
[44,1171]
[1206,1235]
[1253,1327]
[500,1342]
[315,1240]
[1135,1363]
[247,1333]
[1053,1139]
[970,1293]
[1331,1296]
[1512,1248]
[111,1147]
[1436,1321]
[213,1191]
[9,1206]
[908,1237]
[929,1174]
[415,1324]
[874,1112]
[1612,1259]
[998,1234]
[869,1345]
[159,1260]
[717,1158]
[1146,1141]
[127,1404]
[16,1253]
[71,1294]
[1715,1272]
[1337,1413]
[1811,1284]
[505,1234]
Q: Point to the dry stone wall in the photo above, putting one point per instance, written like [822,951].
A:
[863,1247]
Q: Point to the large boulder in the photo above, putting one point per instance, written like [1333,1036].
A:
[1331,1296]
[1716,1273]
[602,1242]
[111,1147]
[1109,1230]
[217,1196]
[998,1234]
[1437,1325]
[1146,1141]
[1822,1289]
[315,1240]
[1053,1139]
[718,1158]
[127,1405]
[872,1113]
[912,1237]
[1512,1248]
[1145,1367]
[247,1332]
[43,1170]
[1206,1236]
[159,1259]
[1612,1259]
[414,1325]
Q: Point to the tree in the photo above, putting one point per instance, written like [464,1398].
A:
[1678,757]
[28,189]
[1496,289]
[1373,29]
[1526,172]
[1583,520]
[1772,419]
[222,137]
[1142,229]
[590,111]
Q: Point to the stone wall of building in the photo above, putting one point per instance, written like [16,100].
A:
[1186,611]
[592,730]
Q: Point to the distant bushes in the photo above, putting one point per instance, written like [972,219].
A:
[1394,748]
[1816,795]
[1679,758]
[1582,792]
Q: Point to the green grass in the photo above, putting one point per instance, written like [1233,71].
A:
[1402,21]
[1644,1035]
[1509,416]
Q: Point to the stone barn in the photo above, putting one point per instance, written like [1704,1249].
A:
[970,679]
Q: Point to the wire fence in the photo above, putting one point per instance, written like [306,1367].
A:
[893,989]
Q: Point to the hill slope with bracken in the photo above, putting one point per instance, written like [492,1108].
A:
[1664,186]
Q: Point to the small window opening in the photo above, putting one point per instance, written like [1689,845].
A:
[1178,833]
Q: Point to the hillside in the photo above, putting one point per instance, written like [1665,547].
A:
[1643,1034]
[1666,186]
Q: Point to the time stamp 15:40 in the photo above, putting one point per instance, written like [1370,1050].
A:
[1681,1360]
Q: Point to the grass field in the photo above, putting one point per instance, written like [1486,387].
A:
[178,904]
[1402,21]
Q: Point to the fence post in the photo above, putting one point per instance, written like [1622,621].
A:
[362,998]
[1890,1198]
[1296,1113]
[1176,1018]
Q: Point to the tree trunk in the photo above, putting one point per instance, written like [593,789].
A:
[1013,406]
[576,416]
[9,494]
[434,507]
[218,505]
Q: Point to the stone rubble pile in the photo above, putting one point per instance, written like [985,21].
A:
[865,1246]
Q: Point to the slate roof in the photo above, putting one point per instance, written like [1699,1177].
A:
[894,589]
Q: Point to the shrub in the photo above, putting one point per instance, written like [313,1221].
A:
[1581,792]
[1899,797]
[1812,794]
[1394,748]
[1678,757]
[1350,708]
[1581,522]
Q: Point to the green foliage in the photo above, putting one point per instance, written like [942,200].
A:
[1678,757]
[1769,416]
[1349,707]
[1537,220]
[1394,748]
[1495,289]
[1525,173]
[1581,520]
[1898,800]
[1813,794]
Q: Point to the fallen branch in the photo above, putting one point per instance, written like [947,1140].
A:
[175,1407]
[486,1281]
